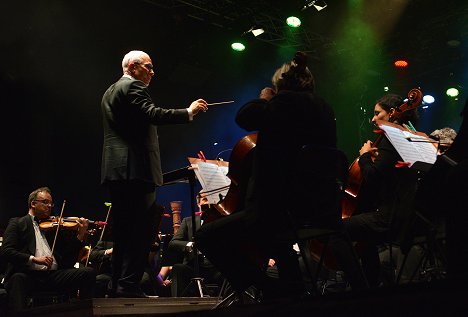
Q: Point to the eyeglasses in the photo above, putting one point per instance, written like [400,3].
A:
[148,66]
[46,202]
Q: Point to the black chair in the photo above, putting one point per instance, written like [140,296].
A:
[411,229]
[321,177]
[229,297]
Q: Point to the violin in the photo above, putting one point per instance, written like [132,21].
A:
[68,223]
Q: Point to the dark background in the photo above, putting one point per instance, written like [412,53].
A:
[58,58]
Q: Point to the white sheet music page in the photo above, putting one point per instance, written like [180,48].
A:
[419,150]
[213,177]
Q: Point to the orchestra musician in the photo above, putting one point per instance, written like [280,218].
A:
[370,223]
[131,167]
[31,265]
[287,117]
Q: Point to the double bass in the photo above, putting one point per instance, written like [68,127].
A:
[355,179]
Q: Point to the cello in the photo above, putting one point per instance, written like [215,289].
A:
[355,179]
[240,169]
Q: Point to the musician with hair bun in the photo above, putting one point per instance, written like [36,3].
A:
[287,116]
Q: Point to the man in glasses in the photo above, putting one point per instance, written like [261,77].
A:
[32,264]
[131,167]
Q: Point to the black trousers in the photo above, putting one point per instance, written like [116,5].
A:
[67,281]
[370,230]
[240,249]
[182,274]
[135,224]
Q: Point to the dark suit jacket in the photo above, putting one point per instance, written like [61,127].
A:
[19,243]
[131,148]
[182,237]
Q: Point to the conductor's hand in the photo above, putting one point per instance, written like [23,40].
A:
[267,93]
[367,147]
[198,105]
[43,260]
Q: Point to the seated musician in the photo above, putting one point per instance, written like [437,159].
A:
[101,259]
[287,117]
[382,184]
[32,266]
[182,273]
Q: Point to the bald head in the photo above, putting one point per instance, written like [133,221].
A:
[133,57]
[138,65]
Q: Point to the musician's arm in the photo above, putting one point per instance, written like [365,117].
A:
[250,115]
[374,170]
[180,240]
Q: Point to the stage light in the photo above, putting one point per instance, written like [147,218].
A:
[256,31]
[317,4]
[238,46]
[293,22]
[452,92]
[428,99]
[386,88]
[400,63]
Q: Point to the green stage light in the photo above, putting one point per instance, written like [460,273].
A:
[293,22]
[238,46]
[452,92]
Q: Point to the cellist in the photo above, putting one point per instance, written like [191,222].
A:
[371,220]
[287,116]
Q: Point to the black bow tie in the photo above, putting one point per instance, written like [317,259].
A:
[37,220]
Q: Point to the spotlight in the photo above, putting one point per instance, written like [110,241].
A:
[237,46]
[400,63]
[317,4]
[293,22]
[452,92]
[428,99]
[256,31]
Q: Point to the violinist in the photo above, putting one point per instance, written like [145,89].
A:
[381,186]
[32,266]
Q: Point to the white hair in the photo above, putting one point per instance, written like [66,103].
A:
[444,135]
[131,57]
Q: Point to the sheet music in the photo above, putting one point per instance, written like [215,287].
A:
[410,151]
[213,177]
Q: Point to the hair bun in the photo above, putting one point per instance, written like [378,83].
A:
[300,60]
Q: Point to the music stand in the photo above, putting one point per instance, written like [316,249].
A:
[187,175]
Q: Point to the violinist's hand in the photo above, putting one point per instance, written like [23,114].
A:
[198,105]
[83,229]
[267,93]
[43,260]
[367,147]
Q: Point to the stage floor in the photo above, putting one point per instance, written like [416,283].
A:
[437,298]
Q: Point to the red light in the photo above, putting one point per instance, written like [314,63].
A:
[401,63]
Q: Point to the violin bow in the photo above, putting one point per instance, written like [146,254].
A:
[107,218]
[102,232]
[58,227]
